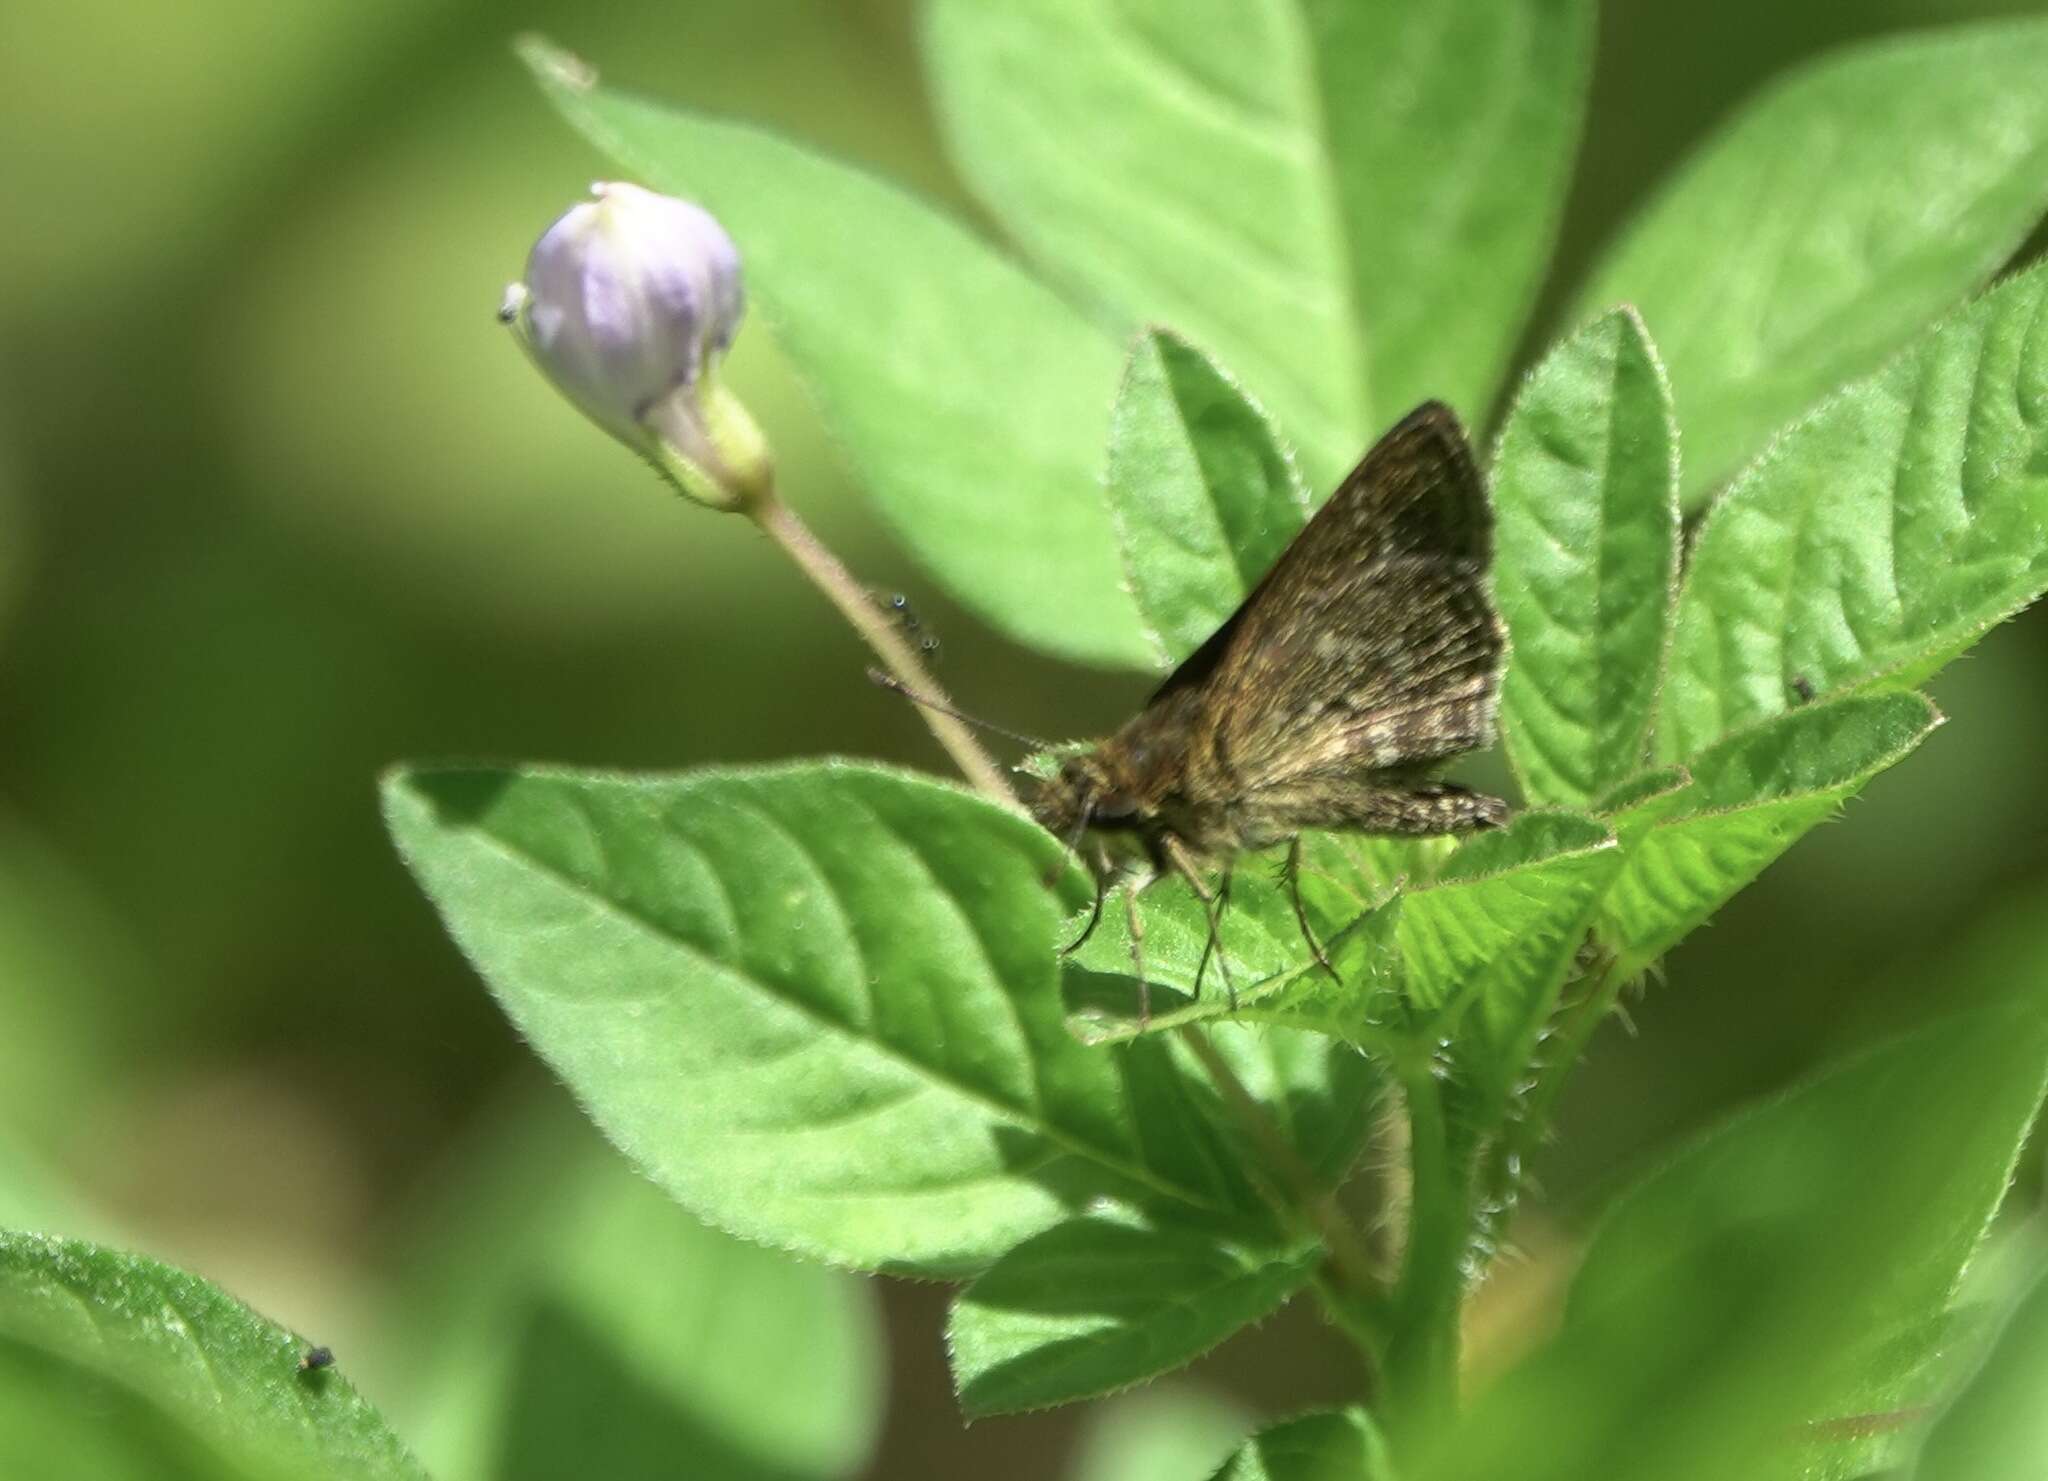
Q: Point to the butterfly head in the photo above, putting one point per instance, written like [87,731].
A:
[1090,791]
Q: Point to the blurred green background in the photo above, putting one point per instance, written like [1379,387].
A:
[280,504]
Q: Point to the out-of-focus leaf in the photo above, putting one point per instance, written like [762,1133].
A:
[199,1357]
[566,1317]
[1340,1445]
[819,1004]
[1881,536]
[1164,1432]
[1750,797]
[1998,1425]
[1585,497]
[1250,173]
[1203,497]
[1095,1304]
[75,978]
[1724,1293]
[1831,219]
[972,402]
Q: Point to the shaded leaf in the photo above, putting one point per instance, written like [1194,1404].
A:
[1585,497]
[1726,1293]
[1850,203]
[819,1004]
[158,1342]
[568,1318]
[1692,845]
[1095,1304]
[1203,498]
[972,402]
[1249,173]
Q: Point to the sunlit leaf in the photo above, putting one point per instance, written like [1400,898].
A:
[156,1341]
[1496,926]
[1880,537]
[1832,218]
[1585,497]
[1250,174]
[819,1004]
[1203,497]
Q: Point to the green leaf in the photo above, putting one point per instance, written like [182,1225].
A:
[1585,497]
[1095,1304]
[567,1318]
[1691,846]
[1203,498]
[62,1419]
[972,402]
[819,1004]
[1163,1432]
[1998,1425]
[1496,926]
[1726,1291]
[1850,204]
[193,1355]
[1303,186]
[1258,941]
[1880,1394]
[1880,537]
[1339,1445]
[1503,917]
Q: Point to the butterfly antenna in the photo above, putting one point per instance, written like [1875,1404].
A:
[897,686]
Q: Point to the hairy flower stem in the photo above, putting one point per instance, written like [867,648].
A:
[1422,1351]
[826,572]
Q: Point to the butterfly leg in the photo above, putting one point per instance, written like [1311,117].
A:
[1105,876]
[1216,938]
[1291,871]
[1176,855]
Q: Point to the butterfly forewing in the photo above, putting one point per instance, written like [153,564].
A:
[1371,646]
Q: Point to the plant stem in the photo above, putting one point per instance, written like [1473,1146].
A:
[1304,1197]
[1572,1038]
[780,524]
[1422,1355]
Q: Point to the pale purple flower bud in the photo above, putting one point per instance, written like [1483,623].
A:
[630,301]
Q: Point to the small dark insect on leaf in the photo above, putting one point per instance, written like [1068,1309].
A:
[1367,657]
[1802,689]
[315,1358]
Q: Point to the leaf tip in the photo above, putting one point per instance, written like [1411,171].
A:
[554,67]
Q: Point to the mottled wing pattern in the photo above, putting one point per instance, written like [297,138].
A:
[1371,646]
